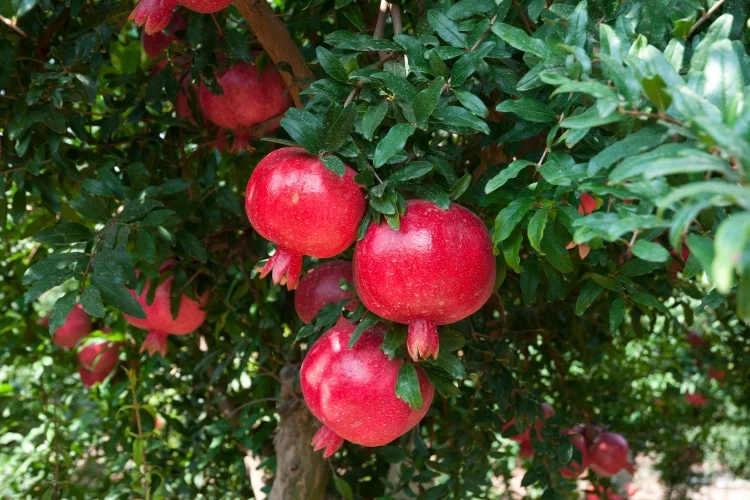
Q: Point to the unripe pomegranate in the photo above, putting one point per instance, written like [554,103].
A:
[77,325]
[155,14]
[320,287]
[97,360]
[294,201]
[250,97]
[351,391]
[438,268]
[586,204]
[154,44]
[574,469]
[609,454]
[159,320]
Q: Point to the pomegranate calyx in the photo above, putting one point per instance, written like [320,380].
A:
[155,14]
[326,438]
[156,341]
[286,267]
[422,340]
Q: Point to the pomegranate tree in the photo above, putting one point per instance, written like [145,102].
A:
[77,325]
[97,360]
[154,43]
[609,453]
[322,286]
[251,96]
[159,320]
[438,268]
[574,468]
[351,391]
[294,201]
[155,14]
[524,439]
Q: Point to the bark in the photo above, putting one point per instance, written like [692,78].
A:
[275,39]
[301,474]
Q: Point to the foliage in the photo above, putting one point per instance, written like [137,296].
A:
[512,109]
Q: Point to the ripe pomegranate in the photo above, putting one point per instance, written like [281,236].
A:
[155,14]
[351,391]
[154,44]
[609,453]
[294,201]
[574,469]
[696,399]
[438,268]
[320,287]
[599,493]
[716,374]
[695,339]
[250,97]
[159,320]
[76,326]
[586,204]
[97,360]
[547,412]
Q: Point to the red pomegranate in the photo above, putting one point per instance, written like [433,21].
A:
[526,450]
[716,374]
[574,469]
[351,391]
[159,320]
[76,326]
[294,201]
[547,412]
[696,399]
[155,14]
[599,493]
[609,453]
[695,339]
[586,204]
[154,44]
[97,360]
[250,97]
[320,287]
[438,268]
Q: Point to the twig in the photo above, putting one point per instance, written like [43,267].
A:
[484,35]
[710,12]
[655,116]
[12,25]
[353,94]
[221,31]
[524,19]
[245,405]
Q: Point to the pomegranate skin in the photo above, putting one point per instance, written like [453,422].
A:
[438,268]
[601,494]
[250,97]
[97,361]
[294,201]
[696,400]
[321,287]
[574,469]
[609,454]
[77,326]
[351,391]
[154,44]
[155,14]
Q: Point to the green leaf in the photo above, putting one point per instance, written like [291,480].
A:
[616,314]
[450,363]
[411,171]
[60,311]
[91,300]
[331,64]
[536,229]
[137,208]
[338,131]
[64,233]
[472,103]
[367,322]
[118,296]
[397,85]
[518,39]
[434,194]
[192,245]
[587,296]
[372,118]
[555,252]
[529,109]
[591,118]
[305,128]
[508,173]
[732,239]
[634,144]
[561,169]
[648,300]
[577,22]
[509,217]
[334,164]
[650,251]
[719,30]
[723,79]
[359,41]
[446,29]
[511,247]
[682,160]
[638,267]
[426,101]
[343,488]
[459,187]
[451,340]
[394,338]
[530,279]
[461,117]
[407,386]
[144,242]
[392,143]
[237,44]
[467,8]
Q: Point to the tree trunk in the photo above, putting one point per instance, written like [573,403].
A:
[301,474]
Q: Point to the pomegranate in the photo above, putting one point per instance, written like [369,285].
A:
[586,204]
[609,454]
[526,450]
[716,374]
[438,268]
[154,44]
[97,360]
[547,412]
[351,391]
[696,399]
[294,201]
[159,320]
[155,14]
[599,493]
[77,325]
[320,287]
[695,339]
[250,97]
[574,469]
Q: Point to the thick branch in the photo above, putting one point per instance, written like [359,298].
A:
[276,40]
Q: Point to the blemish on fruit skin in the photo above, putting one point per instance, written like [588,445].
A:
[295,197]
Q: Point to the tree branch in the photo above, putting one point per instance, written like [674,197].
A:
[12,25]
[710,12]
